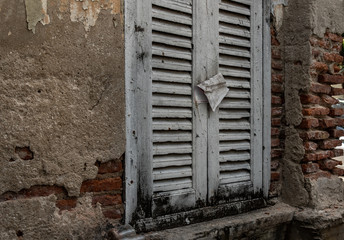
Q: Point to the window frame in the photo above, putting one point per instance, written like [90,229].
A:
[135,52]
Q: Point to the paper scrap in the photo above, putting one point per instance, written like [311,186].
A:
[215,89]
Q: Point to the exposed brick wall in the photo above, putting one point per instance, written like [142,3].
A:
[106,189]
[277,110]
[318,127]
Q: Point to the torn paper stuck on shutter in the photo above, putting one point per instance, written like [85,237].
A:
[215,89]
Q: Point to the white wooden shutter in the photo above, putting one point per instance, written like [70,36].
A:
[240,113]
[188,155]
[172,106]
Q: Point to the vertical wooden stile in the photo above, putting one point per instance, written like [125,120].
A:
[257,95]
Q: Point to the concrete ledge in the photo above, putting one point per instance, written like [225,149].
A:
[198,215]
[266,223]
[318,224]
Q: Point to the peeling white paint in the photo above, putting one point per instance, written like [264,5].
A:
[277,8]
[36,11]
[87,11]
[46,19]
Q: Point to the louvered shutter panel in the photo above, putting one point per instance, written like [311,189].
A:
[240,113]
[189,153]
[172,120]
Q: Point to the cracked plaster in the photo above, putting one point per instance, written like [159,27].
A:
[61,96]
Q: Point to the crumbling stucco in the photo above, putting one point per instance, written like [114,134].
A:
[36,11]
[87,11]
[277,10]
[294,36]
[39,218]
[328,15]
[325,192]
[61,97]
[84,11]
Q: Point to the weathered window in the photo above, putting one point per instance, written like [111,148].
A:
[181,155]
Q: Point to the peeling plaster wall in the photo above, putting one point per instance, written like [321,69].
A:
[61,93]
[328,15]
[39,219]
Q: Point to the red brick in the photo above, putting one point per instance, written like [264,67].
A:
[274,41]
[333,57]
[320,67]
[113,213]
[24,153]
[327,122]
[275,142]
[308,123]
[321,155]
[338,171]
[275,176]
[276,122]
[309,99]
[319,43]
[338,58]
[274,165]
[276,88]
[107,200]
[276,111]
[336,111]
[331,79]
[316,53]
[320,88]
[340,122]
[329,164]
[277,78]
[272,31]
[316,111]
[323,44]
[40,191]
[66,204]
[310,146]
[110,167]
[336,68]
[330,144]
[310,167]
[336,47]
[276,54]
[336,133]
[317,156]
[330,153]
[276,153]
[318,174]
[275,131]
[276,100]
[309,157]
[328,57]
[337,91]
[335,37]
[337,152]
[109,184]
[314,135]
[329,100]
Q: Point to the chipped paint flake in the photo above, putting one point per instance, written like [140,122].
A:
[46,19]
[87,11]
[36,11]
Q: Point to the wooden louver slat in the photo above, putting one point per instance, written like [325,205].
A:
[235,109]
[172,94]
